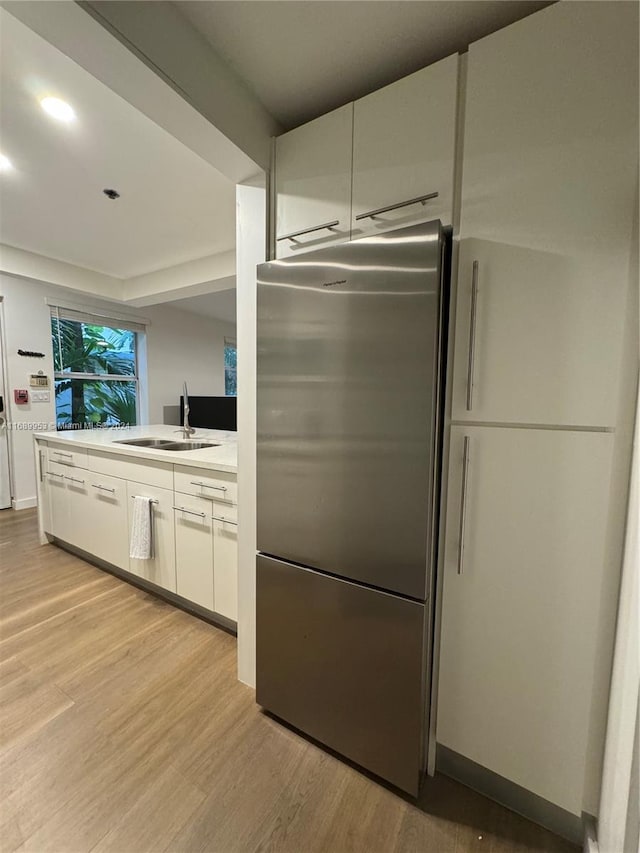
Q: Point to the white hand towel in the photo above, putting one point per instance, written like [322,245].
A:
[141,545]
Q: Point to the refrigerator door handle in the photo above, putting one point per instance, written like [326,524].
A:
[472,335]
[463,502]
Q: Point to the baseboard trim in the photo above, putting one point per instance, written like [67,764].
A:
[24,503]
[509,794]
[216,619]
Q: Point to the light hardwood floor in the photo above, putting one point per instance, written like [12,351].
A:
[123,728]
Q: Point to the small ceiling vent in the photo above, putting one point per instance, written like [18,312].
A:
[112,194]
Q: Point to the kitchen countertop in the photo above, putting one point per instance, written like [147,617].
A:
[221,458]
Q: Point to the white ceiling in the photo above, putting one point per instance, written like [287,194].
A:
[174,207]
[219,306]
[304,58]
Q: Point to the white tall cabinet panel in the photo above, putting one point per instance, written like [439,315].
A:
[59,520]
[521,604]
[313,182]
[160,570]
[403,148]
[548,191]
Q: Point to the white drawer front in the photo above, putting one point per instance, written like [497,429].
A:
[212,485]
[151,473]
[66,455]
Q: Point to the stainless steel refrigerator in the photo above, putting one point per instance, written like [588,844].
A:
[350,366]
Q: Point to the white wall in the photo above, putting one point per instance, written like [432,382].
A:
[251,250]
[180,346]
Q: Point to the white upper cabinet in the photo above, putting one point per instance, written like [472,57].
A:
[313,183]
[549,185]
[403,148]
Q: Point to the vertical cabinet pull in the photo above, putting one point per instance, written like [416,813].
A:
[472,335]
[463,502]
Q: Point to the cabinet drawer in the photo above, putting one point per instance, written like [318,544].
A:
[150,473]
[213,485]
[66,455]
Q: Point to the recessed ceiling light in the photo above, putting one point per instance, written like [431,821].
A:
[58,109]
[5,163]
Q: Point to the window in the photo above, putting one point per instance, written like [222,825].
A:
[230,359]
[95,370]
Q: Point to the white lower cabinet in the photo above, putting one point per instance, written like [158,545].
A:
[525,563]
[195,539]
[160,570]
[59,520]
[225,560]
[80,530]
[194,550]
[44,492]
[108,514]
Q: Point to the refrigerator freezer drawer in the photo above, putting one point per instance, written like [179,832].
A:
[344,664]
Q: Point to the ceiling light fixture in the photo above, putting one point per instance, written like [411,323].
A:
[58,109]
[5,163]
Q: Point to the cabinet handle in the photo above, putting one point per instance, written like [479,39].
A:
[74,479]
[151,500]
[207,486]
[53,474]
[190,511]
[41,455]
[422,199]
[224,520]
[61,453]
[472,335]
[294,234]
[103,488]
[463,502]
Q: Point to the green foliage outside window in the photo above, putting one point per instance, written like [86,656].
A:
[230,369]
[102,353]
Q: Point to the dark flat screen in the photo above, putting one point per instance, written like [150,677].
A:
[211,412]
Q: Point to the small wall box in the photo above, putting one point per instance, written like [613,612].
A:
[38,380]
[20,396]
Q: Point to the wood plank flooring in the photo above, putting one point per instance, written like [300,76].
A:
[123,728]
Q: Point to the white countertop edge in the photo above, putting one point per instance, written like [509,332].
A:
[221,458]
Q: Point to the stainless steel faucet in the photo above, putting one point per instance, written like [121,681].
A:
[186,429]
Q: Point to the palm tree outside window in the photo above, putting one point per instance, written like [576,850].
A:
[95,370]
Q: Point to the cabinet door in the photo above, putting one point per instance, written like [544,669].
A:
[225,560]
[161,569]
[548,194]
[58,500]
[44,492]
[109,527]
[403,147]
[80,530]
[523,572]
[313,183]
[194,550]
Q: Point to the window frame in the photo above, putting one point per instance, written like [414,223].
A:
[88,317]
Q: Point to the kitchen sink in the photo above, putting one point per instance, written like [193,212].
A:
[168,443]
[147,442]
[189,445]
